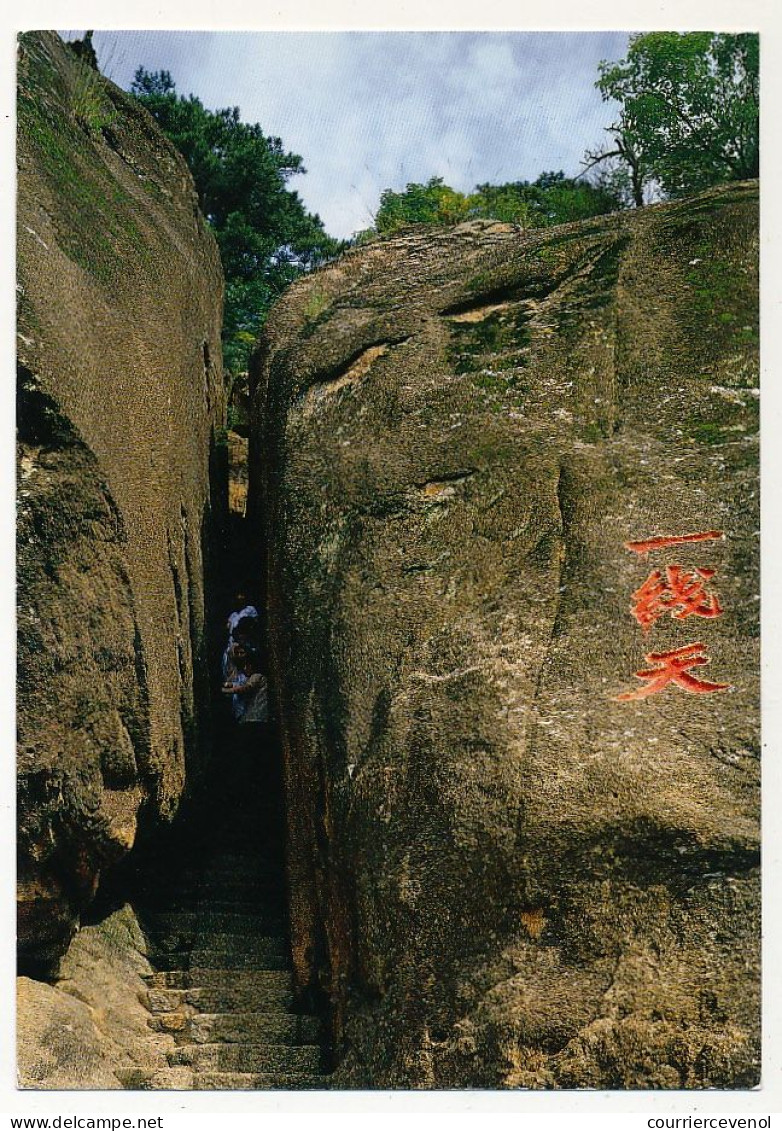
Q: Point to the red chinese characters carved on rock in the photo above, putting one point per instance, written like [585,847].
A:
[662,542]
[679,593]
[673,667]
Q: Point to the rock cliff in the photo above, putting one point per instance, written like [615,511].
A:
[503,874]
[120,408]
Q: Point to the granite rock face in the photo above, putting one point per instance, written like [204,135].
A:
[501,874]
[92,1022]
[120,404]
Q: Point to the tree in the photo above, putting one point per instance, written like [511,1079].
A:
[265,235]
[430,203]
[552,199]
[83,49]
[628,148]
[689,110]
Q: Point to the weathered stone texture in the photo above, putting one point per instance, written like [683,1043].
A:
[120,400]
[93,1021]
[502,876]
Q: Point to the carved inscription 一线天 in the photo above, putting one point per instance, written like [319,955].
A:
[679,593]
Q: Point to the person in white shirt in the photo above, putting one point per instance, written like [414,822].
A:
[250,698]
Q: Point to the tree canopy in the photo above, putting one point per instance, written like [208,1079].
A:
[551,199]
[265,234]
[688,110]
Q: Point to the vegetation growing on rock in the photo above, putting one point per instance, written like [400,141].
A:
[689,111]
[120,398]
[551,199]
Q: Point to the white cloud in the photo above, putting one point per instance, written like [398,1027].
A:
[375,110]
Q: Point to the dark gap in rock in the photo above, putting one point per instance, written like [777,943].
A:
[209,891]
[327,377]
[447,477]
[532,289]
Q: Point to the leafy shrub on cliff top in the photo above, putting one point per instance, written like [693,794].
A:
[689,109]
[551,199]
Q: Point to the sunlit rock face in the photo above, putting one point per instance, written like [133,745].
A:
[120,395]
[523,804]
[82,1030]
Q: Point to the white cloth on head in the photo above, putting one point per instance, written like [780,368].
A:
[234,618]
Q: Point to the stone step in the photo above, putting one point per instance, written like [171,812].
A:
[220,892]
[215,941]
[224,999]
[258,865]
[265,998]
[238,1028]
[226,893]
[259,1081]
[273,877]
[231,879]
[272,874]
[159,1080]
[217,927]
[239,900]
[230,864]
[261,864]
[262,826]
[221,960]
[260,911]
[194,905]
[256,1028]
[241,941]
[175,942]
[228,861]
[224,858]
[188,921]
[158,1000]
[213,977]
[248,1058]
[180,942]
[238,840]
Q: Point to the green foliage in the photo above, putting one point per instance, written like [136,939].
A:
[432,203]
[689,108]
[265,235]
[552,199]
[91,108]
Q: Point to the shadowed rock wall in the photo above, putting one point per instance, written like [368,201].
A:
[120,403]
[502,875]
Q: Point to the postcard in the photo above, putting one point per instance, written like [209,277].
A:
[388,565]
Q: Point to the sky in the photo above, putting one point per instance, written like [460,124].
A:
[374,110]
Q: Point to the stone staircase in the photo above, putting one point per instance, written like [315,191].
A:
[215,920]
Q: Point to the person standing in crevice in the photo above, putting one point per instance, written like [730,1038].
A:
[242,625]
[249,691]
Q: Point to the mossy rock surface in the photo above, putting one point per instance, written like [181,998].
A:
[120,395]
[503,875]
